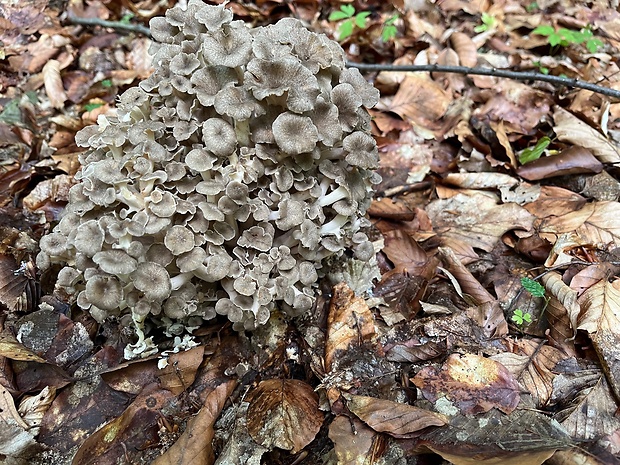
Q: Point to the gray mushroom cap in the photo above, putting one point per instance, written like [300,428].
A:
[115,262]
[295,134]
[153,280]
[104,292]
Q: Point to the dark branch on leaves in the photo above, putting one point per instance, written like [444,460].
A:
[520,76]
[117,25]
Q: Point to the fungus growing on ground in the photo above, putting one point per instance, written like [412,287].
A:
[224,184]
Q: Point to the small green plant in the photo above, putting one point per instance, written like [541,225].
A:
[533,153]
[532,7]
[92,106]
[107,83]
[488,22]
[126,19]
[351,20]
[565,37]
[541,68]
[520,317]
[389,29]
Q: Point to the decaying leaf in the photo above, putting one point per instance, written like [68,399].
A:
[476,218]
[53,84]
[420,100]
[600,317]
[350,321]
[595,223]
[354,442]
[180,372]
[395,418]
[32,408]
[472,383]
[574,160]
[11,348]
[571,129]
[556,287]
[531,363]
[284,413]
[194,445]
[522,438]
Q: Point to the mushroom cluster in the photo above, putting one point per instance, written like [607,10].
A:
[223,182]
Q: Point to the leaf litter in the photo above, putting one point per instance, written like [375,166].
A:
[432,361]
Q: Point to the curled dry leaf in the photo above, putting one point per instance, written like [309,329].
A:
[394,418]
[390,209]
[32,408]
[194,445]
[284,413]
[467,282]
[571,129]
[465,48]
[420,101]
[53,84]
[472,383]
[349,321]
[566,296]
[600,317]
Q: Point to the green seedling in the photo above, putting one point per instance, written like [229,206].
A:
[92,106]
[488,22]
[565,37]
[126,19]
[350,20]
[533,153]
[389,29]
[520,317]
[106,83]
[541,68]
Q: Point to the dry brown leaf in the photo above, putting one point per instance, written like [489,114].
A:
[391,210]
[574,160]
[472,383]
[465,48]
[532,364]
[522,438]
[349,322]
[53,84]
[11,348]
[564,294]
[194,445]
[555,201]
[32,408]
[593,414]
[354,442]
[284,413]
[476,218]
[502,137]
[596,223]
[420,101]
[12,284]
[480,180]
[180,372]
[8,412]
[571,129]
[466,281]
[600,317]
[395,418]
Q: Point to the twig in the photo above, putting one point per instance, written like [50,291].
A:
[111,24]
[520,76]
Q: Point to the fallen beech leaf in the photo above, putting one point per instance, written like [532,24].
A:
[472,383]
[593,414]
[349,322]
[194,445]
[476,218]
[354,442]
[466,281]
[53,84]
[420,100]
[390,417]
[521,438]
[14,350]
[32,408]
[389,209]
[564,294]
[574,160]
[480,180]
[284,413]
[532,365]
[571,129]
[180,372]
[465,48]
[8,412]
[600,317]
[595,223]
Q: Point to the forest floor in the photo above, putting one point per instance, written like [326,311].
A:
[493,335]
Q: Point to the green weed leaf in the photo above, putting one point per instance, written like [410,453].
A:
[519,317]
[533,287]
[346,11]
[534,153]
[345,29]
[544,30]
[361,18]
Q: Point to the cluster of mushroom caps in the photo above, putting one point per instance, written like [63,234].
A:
[223,183]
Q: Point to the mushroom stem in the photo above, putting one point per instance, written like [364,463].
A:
[180,280]
[334,196]
[334,226]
